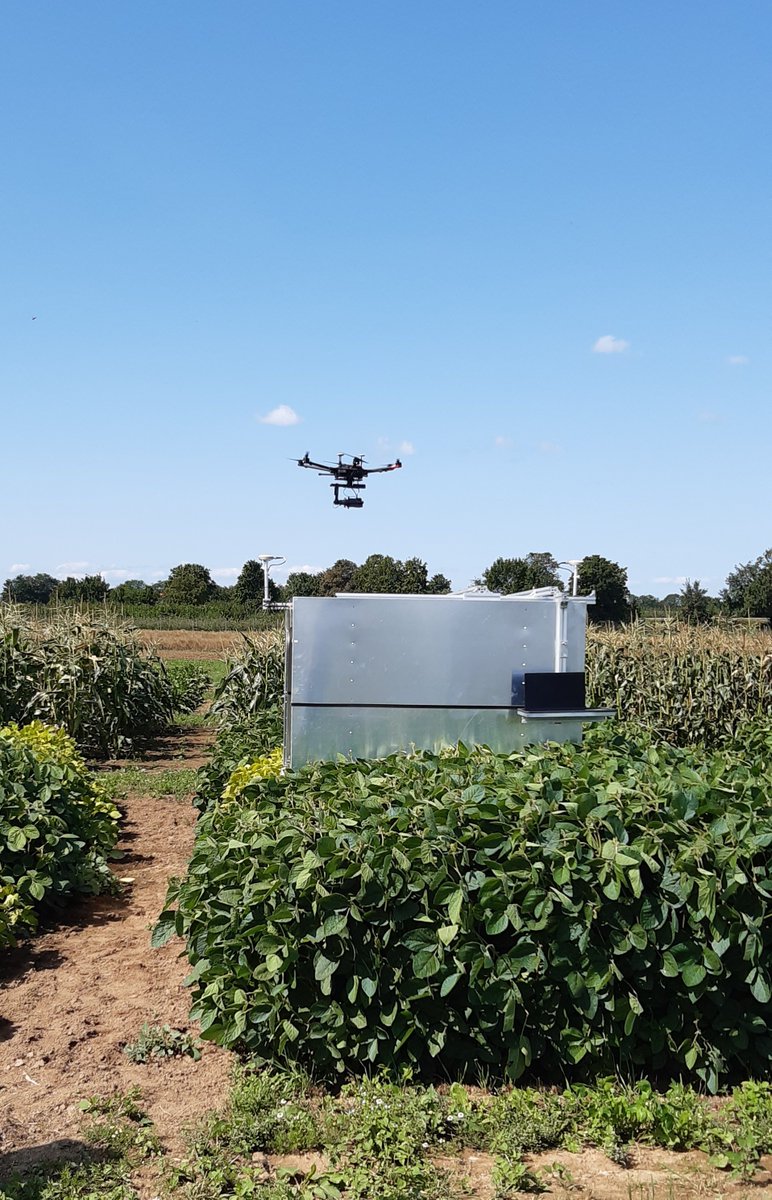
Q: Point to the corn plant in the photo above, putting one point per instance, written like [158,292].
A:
[85,674]
[254,681]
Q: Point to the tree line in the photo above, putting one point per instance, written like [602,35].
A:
[747,592]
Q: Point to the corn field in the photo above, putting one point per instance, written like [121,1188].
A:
[690,686]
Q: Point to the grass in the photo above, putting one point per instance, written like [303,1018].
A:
[178,784]
[215,667]
[380,1140]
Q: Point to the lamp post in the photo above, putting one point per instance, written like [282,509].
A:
[573,564]
[269,560]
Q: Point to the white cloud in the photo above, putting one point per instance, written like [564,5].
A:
[305,568]
[226,572]
[387,446]
[608,344]
[501,439]
[283,415]
[73,568]
[678,579]
[738,360]
[18,568]
[550,448]
[115,573]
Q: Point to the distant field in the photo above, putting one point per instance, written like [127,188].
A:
[197,643]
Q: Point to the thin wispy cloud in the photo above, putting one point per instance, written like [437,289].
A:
[388,446]
[297,569]
[283,415]
[608,344]
[115,574]
[678,579]
[549,448]
[501,439]
[17,568]
[73,568]
[738,360]
[709,417]
[226,572]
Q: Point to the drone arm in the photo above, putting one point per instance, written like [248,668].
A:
[322,467]
[395,466]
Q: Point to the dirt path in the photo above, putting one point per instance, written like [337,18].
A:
[74,996]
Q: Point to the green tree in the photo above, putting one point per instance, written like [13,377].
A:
[189,583]
[338,578]
[696,606]
[133,591]
[646,605]
[301,583]
[30,589]
[438,585]
[609,582]
[248,588]
[91,589]
[535,570]
[748,589]
[415,577]
[379,573]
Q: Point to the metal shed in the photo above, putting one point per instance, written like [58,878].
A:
[368,675]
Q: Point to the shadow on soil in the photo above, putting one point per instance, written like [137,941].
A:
[26,957]
[19,961]
[46,1161]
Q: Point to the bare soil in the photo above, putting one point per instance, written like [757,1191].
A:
[75,994]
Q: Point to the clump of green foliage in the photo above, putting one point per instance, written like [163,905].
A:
[57,826]
[158,1042]
[589,909]
[120,1126]
[189,682]
[237,745]
[84,674]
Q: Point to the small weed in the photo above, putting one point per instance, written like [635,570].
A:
[270,1111]
[524,1120]
[743,1131]
[511,1177]
[156,1042]
[120,1127]
[378,1135]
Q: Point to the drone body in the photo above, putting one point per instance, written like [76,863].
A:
[348,476]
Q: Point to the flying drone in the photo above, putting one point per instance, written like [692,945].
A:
[349,475]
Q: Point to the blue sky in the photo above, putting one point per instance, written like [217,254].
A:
[526,243]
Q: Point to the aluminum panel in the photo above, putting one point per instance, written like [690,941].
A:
[423,650]
[325,733]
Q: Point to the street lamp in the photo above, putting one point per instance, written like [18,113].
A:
[268,561]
